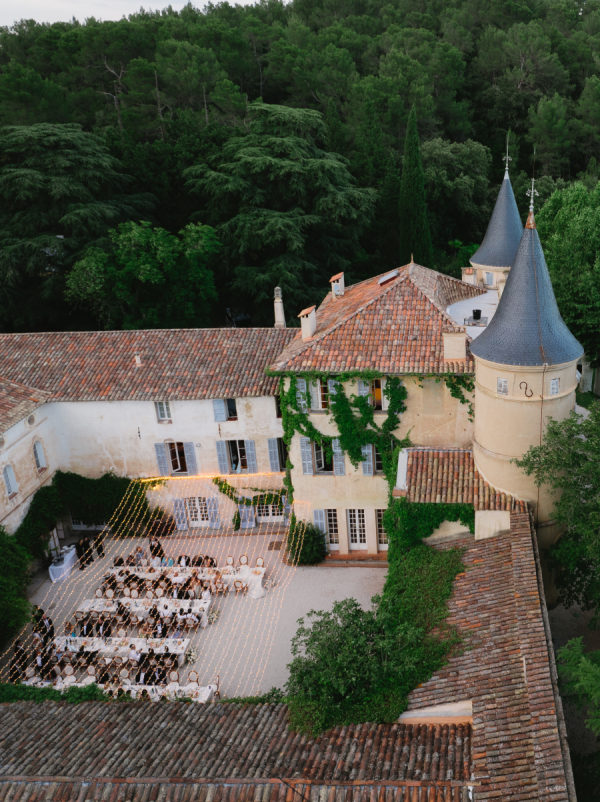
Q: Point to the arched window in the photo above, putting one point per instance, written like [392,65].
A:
[39,456]
[10,480]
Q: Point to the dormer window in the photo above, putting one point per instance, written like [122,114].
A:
[502,386]
[489,279]
[163,411]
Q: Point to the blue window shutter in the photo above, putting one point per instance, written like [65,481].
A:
[367,465]
[332,386]
[222,456]
[301,394]
[315,395]
[306,451]
[162,459]
[212,505]
[286,507]
[274,454]
[179,513]
[190,458]
[364,388]
[319,519]
[220,409]
[246,516]
[339,467]
[251,456]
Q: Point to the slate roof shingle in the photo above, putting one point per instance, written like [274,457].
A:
[393,323]
[449,476]
[176,364]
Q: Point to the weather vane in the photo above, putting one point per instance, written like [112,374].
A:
[506,159]
[531,193]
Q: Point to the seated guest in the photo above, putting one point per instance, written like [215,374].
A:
[86,629]
[157,675]
[198,560]
[103,674]
[36,617]
[159,630]
[118,561]
[133,654]
[142,673]
[130,560]
[206,597]
[104,627]
[139,556]
[184,560]
[47,629]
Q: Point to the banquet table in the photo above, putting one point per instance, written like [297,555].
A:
[197,693]
[141,607]
[119,647]
[251,576]
[63,569]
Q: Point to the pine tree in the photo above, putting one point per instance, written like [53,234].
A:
[415,237]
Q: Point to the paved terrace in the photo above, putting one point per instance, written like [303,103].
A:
[513,749]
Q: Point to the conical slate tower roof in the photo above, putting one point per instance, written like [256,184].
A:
[503,232]
[527,328]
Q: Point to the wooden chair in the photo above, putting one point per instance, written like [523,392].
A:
[260,563]
[189,624]
[99,593]
[193,678]
[78,616]
[229,560]
[124,673]
[126,590]
[150,593]
[30,672]
[135,594]
[135,621]
[159,592]
[121,633]
[243,559]
[221,587]
[217,683]
[110,594]
[91,670]
[173,677]
[239,586]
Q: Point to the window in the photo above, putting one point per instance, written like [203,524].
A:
[489,279]
[327,458]
[39,456]
[357,533]
[332,526]
[502,386]
[372,460]
[10,481]
[224,409]
[163,411]
[270,511]
[554,386]
[382,538]
[236,456]
[319,395]
[277,454]
[177,456]
[374,389]
[323,459]
[197,509]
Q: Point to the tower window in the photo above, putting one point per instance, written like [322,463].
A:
[502,386]
[554,386]
[489,279]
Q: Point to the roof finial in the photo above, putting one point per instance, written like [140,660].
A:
[506,159]
[412,258]
[531,193]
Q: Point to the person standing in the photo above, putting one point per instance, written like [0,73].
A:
[18,662]
[99,543]
[47,630]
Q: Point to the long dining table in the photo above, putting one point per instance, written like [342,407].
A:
[119,647]
[141,607]
[252,576]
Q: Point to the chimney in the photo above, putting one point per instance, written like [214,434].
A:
[279,313]
[308,321]
[455,345]
[138,360]
[337,285]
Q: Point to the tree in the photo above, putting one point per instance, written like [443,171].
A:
[567,462]
[569,227]
[580,674]
[148,278]
[415,238]
[60,190]
[287,211]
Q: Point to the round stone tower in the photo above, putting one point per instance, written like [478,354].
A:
[525,374]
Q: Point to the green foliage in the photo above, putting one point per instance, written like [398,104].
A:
[580,676]
[45,510]
[10,692]
[305,543]
[410,523]
[415,236]
[458,385]
[261,497]
[567,462]
[14,607]
[147,277]
[273,697]
[569,227]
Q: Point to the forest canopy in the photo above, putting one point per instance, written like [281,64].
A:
[192,118]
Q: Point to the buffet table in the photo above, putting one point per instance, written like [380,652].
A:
[63,569]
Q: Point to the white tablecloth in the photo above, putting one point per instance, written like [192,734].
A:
[253,577]
[58,572]
[197,693]
[141,607]
[119,647]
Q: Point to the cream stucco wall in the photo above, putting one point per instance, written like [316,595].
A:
[506,426]
[499,275]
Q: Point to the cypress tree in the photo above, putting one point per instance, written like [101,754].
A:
[415,237]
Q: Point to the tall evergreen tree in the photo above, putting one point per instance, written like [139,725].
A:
[415,237]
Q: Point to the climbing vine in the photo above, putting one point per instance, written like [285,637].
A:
[458,386]
[263,497]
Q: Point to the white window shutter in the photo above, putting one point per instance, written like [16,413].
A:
[367,465]
[179,514]
[339,463]
[274,455]
[319,519]
[161,459]
[315,395]
[190,458]
[364,388]
[251,456]
[222,456]
[301,395]
[212,507]
[246,516]
[384,399]
[332,387]
[220,409]
[307,455]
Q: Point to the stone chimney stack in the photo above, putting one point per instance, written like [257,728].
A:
[279,313]
[337,285]
[308,321]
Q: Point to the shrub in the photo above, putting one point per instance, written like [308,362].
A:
[14,607]
[28,693]
[305,543]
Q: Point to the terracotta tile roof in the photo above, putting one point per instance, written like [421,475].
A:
[515,748]
[392,323]
[507,670]
[175,363]
[17,401]
[449,476]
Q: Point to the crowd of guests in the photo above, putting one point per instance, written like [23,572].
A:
[84,549]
